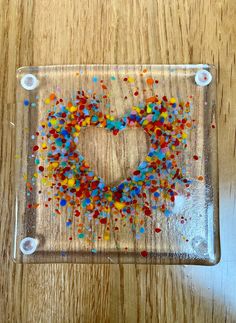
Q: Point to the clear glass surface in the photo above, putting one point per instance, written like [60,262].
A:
[116,164]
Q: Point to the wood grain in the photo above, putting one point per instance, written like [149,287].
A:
[136,31]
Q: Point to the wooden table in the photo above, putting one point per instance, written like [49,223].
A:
[119,31]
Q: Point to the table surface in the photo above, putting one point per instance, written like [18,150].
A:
[123,32]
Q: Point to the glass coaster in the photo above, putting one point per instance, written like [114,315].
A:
[116,164]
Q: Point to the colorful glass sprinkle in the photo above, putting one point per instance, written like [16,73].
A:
[155,183]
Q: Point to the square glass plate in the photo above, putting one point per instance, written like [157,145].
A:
[116,164]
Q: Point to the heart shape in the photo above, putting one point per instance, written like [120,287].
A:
[152,185]
[111,157]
